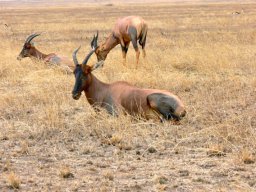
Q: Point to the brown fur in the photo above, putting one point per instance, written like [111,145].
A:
[123,96]
[120,35]
[29,50]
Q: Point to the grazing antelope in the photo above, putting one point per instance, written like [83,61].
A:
[29,50]
[127,29]
[120,95]
[236,13]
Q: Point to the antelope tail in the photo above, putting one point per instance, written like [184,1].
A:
[142,40]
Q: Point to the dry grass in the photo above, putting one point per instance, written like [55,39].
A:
[201,52]
[65,172]
[13,181]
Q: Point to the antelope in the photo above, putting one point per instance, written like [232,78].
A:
[121,96]
[127,29]
[29,50]
[236,13]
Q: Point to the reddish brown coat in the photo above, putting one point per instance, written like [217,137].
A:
[121,96]
[29,50]
[127,29]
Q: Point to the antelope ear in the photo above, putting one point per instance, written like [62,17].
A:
[97,50]
[97,65]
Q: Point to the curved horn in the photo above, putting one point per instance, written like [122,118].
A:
[94,41]
[88,57]
[98,64]
[94,46]
[74,56]
[30,37]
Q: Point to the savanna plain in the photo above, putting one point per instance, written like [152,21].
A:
[201,52]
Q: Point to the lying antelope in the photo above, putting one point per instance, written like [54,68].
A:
[127,29]
[149,103]
[29,50]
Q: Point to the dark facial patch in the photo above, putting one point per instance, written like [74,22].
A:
[80,81]
[25,50]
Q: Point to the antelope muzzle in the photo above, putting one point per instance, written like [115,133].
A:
[179,114]
[20,56]
[76,96]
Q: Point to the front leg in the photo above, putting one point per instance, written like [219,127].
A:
[124,51]
[109,105]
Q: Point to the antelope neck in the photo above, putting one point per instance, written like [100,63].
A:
[94,88]
[39,55]
[111,42]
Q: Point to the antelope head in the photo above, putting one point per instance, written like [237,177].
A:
[101,51]
[28,47]
[82,71]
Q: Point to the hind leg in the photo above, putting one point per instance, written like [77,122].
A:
[166,105]
[143,53]
[143,44]
[133,35]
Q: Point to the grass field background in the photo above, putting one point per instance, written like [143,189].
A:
[201,52]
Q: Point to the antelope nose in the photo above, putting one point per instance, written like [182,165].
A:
[76,96]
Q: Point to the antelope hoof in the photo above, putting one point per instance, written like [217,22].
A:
[144,54]
[137,64]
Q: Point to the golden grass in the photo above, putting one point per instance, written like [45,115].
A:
[13,181]
[201,52]
[65,172]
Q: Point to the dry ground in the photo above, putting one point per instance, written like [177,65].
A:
[202,53]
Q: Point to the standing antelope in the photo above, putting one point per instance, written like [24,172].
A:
[131,28]
[121,95]
[29,50]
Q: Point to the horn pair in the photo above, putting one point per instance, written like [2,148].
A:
[93,46]
[30,37]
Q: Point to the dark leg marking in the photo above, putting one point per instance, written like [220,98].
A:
[143,37]
[124,49]
[144,42]
[133,35]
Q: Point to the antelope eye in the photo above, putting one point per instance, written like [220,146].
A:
[27,46]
